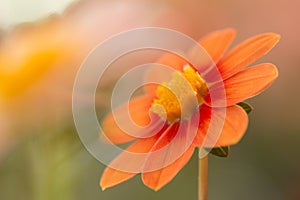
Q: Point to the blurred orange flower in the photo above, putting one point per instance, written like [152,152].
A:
[164,102]
[39,61]
[28,52]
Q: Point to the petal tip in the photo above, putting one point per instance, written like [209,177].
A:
[273,37]
[105,182]
[155,187]
[103,188]
[102,184]
[276,36]
[276,72]
[273,69]
[230,30]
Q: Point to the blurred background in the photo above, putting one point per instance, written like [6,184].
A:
[43,43]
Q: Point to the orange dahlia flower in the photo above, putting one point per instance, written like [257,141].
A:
[163,103]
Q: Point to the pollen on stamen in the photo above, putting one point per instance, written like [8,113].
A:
[180,96]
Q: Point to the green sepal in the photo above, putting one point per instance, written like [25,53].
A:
[220,151]
[247,107]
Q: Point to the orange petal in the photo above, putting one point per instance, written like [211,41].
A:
[172,60]
[246,53]
[131,165]
[243,85]
[217,42]
[139,113]
[235,126]
[215,45]
[160,75]
[112,177]
[249,82]
[232,127]
[171,152]
[157,179]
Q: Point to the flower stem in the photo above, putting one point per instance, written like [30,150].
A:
[203,178]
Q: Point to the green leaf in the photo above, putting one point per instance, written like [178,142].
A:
[220,151]
[248,108]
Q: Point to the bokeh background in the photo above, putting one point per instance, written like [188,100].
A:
[42,45]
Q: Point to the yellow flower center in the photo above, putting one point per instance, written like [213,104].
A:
[180,96]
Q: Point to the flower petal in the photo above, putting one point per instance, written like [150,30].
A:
[232,126]
[243,85]
[246,53]
[176,152]
[217,42]
[157,179]
[163,74]
[249,82]
[137,109]
[173,61]
[111,176]
[215,45]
